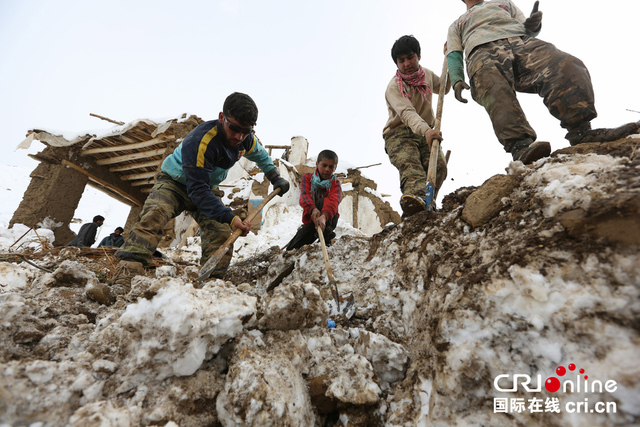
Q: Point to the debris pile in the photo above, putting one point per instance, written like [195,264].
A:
[543,275]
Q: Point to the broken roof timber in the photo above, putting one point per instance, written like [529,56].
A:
[104,183]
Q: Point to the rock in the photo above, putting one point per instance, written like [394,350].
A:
[390,360]
[71,274]
[264,385]
[296,306]
[69,252]
[345,380]
[28,334]
[617,219]
[486,202]
[100,293]
[180,327]
[165,271]
[102,413]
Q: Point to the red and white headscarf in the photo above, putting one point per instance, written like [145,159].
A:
[417,80]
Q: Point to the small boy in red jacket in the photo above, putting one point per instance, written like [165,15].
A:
[320,194]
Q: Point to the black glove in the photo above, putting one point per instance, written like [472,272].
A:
[277,181]
[458,90]
[534,22]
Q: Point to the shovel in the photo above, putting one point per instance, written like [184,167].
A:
[435,144]
[214,259]
[346,308]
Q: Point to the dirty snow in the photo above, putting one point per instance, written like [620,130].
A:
[441,310]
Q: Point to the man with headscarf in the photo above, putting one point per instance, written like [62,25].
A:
[409,132]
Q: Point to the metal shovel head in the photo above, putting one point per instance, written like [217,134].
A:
[208,268]
[347,306]
[429,197]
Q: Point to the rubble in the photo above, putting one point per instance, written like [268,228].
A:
[443,309]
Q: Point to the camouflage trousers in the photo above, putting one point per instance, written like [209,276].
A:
[499,69]
[167,199]
[409,153]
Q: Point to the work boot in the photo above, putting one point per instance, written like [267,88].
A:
[411,205]
[584,133]
[529,153]
[125,271]
[329,237]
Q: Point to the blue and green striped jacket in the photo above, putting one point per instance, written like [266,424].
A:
[202,161]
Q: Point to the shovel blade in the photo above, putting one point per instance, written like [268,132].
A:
[347,306]
[429,197]
[208,268]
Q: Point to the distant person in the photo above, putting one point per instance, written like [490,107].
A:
[115,239]
[185,183]
[503,56]
[408,133]
[320,195]
[87,234]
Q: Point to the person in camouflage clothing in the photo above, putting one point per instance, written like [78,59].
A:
[409,132]
[189,177]
[503,57]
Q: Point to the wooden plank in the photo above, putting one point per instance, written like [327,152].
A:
[128,157]
[141,175]
[131,166]
[143,182]
[104,183]
[278,146]
[113,148]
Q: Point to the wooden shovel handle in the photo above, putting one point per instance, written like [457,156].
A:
[325,254]
[214,259]
[238,232]
[435,145]
[444,78]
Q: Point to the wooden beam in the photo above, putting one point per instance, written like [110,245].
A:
[35,157]
[278,146]
[135,146]
[104,183]
[128,157]
[107,119]
[143,182]
[135,176]
[135,166]
[368,166]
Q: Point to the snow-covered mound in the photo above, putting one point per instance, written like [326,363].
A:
[517,304]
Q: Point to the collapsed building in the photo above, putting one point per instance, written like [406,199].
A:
[124,162]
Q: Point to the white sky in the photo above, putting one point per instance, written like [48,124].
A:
[317,69]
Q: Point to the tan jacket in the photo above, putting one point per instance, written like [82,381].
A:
[416,113]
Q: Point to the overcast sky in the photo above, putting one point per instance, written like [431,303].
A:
[316,69]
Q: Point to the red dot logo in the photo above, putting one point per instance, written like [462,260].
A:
[572,367]
[582,371]
[586,377]
[552,384]
[560,371]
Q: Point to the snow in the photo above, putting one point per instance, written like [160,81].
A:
[571,185]
[182,326]
[528,317]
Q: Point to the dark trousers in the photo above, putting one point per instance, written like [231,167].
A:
[307,234]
